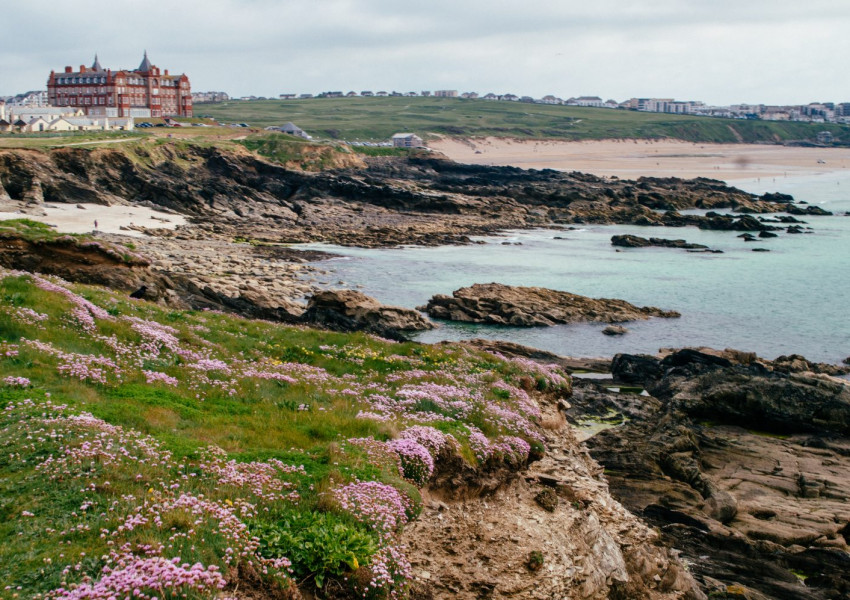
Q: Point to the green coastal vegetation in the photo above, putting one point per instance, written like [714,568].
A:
[175,454]
[376,119]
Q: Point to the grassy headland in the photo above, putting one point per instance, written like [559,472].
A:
[377,119]
[152,452]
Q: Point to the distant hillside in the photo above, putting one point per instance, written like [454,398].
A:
[378,118]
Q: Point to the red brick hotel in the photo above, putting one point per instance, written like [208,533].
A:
[144,92]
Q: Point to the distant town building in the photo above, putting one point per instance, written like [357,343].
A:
[142,92]
[367,93]
[209,97]
[26,119]
[825,137]
[31,99]
[469,95]
[588,101]
[407,140]
[445,93]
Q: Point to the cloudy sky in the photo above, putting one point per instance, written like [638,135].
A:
[718,51]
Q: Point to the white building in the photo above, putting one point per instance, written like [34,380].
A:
[407,140]
[291,129]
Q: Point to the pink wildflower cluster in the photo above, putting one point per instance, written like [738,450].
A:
[91,367]
[146,578]
[377,452]
[381,506]
[524,402]
[156,376]
[417,464]
[156,335]
[391,572]
[89,444]
[16,381]
[502,417]
[507,448]
[211,364]
[84,311]
[261,478]
[385,509]
[454,400]
[552,374]
[220,517]
[94,368]
[28,315]
[433,439]
[269,375]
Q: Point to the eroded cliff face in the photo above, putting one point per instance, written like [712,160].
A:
[553,532]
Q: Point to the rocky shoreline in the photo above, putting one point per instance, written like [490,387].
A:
[740,463]
[426,200]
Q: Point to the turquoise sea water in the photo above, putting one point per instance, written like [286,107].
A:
[793,299]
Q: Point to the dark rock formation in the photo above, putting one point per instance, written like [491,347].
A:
[500,304]
[634,241]
[742,466]
[615,330]
[349,310]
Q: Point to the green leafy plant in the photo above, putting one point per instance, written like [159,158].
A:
[320,545]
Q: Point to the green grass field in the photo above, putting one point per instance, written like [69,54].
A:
[376,119]
[184,452]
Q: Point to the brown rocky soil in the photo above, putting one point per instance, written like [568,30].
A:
[501,304]
[555,532]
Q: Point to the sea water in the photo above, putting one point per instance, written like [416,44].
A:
[791,300]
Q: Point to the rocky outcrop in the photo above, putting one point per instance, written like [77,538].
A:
[76,259]
[499,304]
[349,310]
[634,241]
[743,467]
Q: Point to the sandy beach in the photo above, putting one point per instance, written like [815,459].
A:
[69,218]
[629,159]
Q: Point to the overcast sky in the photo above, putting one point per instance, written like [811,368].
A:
[718,51]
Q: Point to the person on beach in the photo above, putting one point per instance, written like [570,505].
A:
[95,223]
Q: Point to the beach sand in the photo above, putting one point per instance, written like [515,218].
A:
[68,218]
[630,159]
